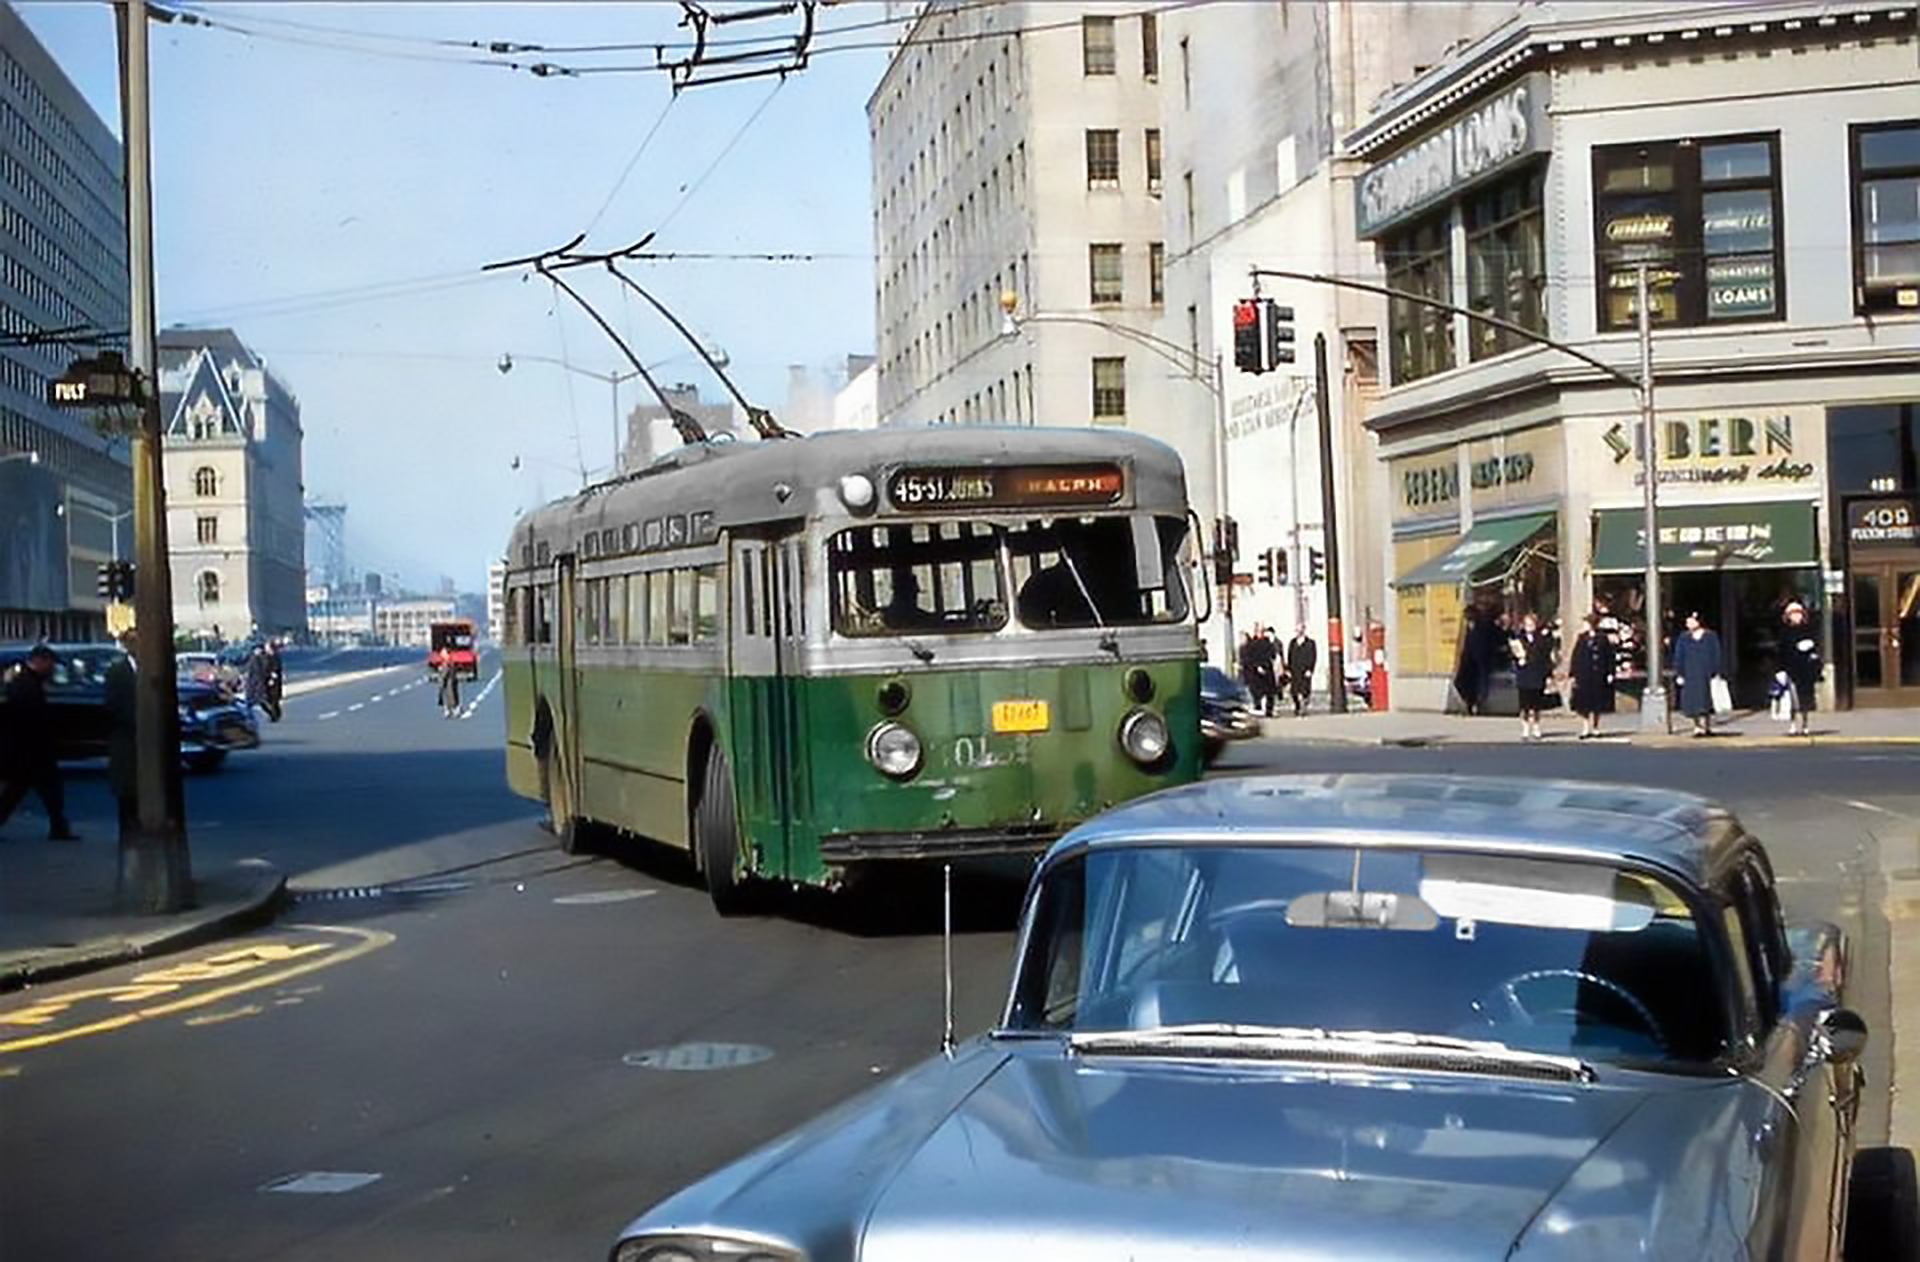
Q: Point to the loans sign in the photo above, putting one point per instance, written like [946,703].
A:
[1484,141]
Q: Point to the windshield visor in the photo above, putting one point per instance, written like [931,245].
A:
[954,577]
[1550,956]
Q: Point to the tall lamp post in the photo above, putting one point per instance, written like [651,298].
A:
[613,379]
[1210,375]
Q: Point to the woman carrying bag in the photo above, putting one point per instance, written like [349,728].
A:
[1800,668]
[1697,665]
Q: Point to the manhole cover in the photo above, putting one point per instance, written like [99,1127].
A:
[699,1056]
[602,896]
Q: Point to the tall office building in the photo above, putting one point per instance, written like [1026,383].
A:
[64,489]
[1016,151]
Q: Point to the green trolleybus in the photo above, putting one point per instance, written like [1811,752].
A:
[797,657]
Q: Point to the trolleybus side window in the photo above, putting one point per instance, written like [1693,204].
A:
[706,604]
[680,610]
[636,609]
[543,614]
[657,607]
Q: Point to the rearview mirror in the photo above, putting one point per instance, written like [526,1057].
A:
[1842,1035]
[1360,909]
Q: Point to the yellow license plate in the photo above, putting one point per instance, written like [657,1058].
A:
[1019,716]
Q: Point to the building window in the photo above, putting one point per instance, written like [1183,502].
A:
[1104,287]
[1506,262]
[1103,158]
[206,529]
[1886,216]
[1186,74]
[1109,387]
[209,588]
[206,482]
[1419,261]
[1186,196]
[1157,272]
[1703,216]
[1153,159]
[1150,45]
[1096,45]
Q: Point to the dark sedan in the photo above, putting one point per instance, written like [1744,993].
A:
[212,722]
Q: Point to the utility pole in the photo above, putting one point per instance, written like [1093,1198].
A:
[1330,532]
[1220,514]
[155,874]
[1653,698]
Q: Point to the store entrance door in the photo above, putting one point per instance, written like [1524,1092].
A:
[1886,634]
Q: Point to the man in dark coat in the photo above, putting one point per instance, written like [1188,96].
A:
[122,742]
[1302,656]
[27,756]
[1481,648]
[276,680]
[1800,662]
[1256,668]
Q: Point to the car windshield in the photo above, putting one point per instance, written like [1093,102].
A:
[955,576]
[1585,959]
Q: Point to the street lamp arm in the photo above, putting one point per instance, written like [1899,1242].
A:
[1181,357]
[762,420]
[689,428]
[1341,282]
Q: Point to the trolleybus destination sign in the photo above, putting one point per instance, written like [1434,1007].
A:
[1022,486]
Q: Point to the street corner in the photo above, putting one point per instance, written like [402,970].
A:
[211,986]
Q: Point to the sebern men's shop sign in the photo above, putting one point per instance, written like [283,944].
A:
[1490,137]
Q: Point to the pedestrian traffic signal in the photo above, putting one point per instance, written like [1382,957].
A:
[1248,348]
[1316,565]
[1279,334]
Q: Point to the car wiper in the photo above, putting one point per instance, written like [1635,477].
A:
[1384,1047]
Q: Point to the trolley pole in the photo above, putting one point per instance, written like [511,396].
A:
[1653,698]
[1330,533]
[155,875]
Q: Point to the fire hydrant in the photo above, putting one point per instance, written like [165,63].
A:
[1377,681]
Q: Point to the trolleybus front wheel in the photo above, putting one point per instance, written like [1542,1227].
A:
[716,839]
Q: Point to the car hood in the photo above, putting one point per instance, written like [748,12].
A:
[1030,1154]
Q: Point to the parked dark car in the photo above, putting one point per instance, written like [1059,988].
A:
[1323,1018]
[212,721]
[1226,712]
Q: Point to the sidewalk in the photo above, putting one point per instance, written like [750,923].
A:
[1745,730]
[57,912]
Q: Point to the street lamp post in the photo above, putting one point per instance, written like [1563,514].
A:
[613,379]
[1210,375]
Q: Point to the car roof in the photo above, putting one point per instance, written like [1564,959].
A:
[1688,835]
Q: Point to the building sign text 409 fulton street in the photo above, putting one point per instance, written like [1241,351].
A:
[933,488]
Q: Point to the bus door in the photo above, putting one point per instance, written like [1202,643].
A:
[563,698]
[790,668]
[752,742]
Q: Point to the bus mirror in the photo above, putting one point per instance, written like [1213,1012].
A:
[1149,567]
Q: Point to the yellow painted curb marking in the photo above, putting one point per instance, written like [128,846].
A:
[157,982]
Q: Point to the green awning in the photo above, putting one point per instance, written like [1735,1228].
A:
[1749,536]
[1477,551]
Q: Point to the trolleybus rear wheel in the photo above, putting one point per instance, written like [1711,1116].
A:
[716,837]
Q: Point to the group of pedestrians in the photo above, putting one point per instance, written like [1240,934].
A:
[1600,656]
[1271,670]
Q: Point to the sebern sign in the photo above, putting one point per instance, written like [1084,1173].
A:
[1484,141]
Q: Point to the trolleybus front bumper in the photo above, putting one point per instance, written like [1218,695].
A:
[939,843]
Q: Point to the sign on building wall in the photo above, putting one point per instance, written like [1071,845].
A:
[1743,451]
[1478,144]
[1527,466]
[1880,523]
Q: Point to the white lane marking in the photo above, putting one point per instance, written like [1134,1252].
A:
[355,706]
[320,1182]
[596,897]
[1869,806]
[394,692]
[331,714]
[699,1056]
[475,703]
[375,699]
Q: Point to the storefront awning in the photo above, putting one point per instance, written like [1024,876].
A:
[1708,537]
[1477,551]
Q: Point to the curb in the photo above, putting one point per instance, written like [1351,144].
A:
[256,905]
[1676,740]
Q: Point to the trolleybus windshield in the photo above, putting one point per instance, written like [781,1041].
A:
[964,577]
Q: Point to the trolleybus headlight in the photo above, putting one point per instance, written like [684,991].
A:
[1143,734]
[856,491]
[894,750]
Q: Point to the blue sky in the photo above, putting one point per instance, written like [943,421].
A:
[332,198]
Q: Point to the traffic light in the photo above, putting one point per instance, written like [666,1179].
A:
[1226,548]
[1316,565]
[1279,334]
[126,580]
[1280,566]
[1249,348]
[1266,567]
[106,576]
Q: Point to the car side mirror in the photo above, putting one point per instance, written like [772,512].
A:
[1841,1035]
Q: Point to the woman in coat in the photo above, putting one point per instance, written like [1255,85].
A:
[1696,664]
[1591,666]
[1533,651]
[1800,663]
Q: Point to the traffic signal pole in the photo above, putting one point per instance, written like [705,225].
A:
[155,875]
[1330,530]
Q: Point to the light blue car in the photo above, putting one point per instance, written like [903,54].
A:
[1362,1017]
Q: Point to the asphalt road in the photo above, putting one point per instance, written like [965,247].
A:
[510,1060]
